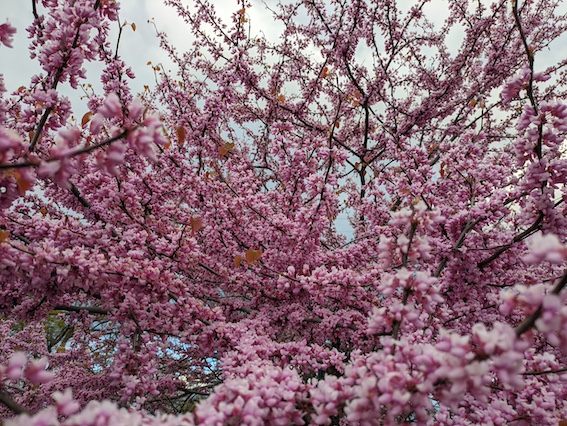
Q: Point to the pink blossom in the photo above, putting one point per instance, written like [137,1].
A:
[10,144]
[360,220]
[36,372]
[15,366]
[6,34]
[65,403]
[111,107]
[546,248]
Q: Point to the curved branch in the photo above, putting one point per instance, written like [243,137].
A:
[10,404]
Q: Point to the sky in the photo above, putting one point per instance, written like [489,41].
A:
[137,48]
[141,46]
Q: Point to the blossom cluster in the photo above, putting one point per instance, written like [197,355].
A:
[341,225]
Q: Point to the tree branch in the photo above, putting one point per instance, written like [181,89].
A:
[80,151]
[530,321]
[89,309]
[8,402]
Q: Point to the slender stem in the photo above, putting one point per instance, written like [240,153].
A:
[407,290]
[543,372]
[521,236]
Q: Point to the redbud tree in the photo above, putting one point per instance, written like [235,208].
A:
[173,257]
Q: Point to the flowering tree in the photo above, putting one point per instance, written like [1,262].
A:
[173,257]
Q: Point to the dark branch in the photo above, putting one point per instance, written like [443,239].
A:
[530,321]
[89,309]
[13,406]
